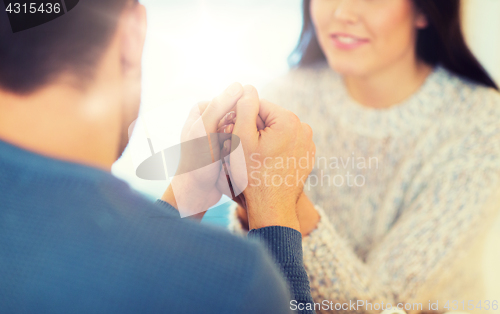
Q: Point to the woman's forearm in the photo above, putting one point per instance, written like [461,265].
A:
[406,263]
[307,214]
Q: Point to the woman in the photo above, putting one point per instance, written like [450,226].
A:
[406,124]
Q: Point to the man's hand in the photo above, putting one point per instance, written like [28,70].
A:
[306,214]
[279,157]
[193,192]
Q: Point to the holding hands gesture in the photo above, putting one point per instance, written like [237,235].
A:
[278,156]
[198,183]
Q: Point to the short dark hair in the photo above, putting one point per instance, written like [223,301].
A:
[72,43]
[442,42]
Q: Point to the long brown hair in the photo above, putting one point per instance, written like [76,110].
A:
[442,42]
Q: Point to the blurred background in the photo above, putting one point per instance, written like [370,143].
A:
[195,48]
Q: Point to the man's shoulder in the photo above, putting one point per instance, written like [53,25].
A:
[159,230]
[105,242]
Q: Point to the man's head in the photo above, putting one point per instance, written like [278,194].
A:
[94,51]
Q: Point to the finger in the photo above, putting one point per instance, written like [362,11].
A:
[202,106]
[227,128]
[222,184]
[225,134]
[220,106]
[229,118]
[268,111]
[194,115]
[247,110]
[260,123]
[226,148]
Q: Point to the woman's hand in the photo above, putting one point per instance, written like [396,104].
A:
[307,215]
[194,189]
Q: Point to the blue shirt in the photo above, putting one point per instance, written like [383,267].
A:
[74,239]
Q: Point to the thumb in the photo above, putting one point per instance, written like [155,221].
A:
[247,111]
[220,106]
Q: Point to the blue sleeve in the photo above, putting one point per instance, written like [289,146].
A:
[169,208]
[285,246]
[267,291]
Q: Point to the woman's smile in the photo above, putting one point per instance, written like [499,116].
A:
[346,41]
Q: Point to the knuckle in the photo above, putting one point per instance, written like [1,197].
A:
[215,103]
[249,89]
[308,130]
[293,119]
[246,100]
[199,108]
[201,104]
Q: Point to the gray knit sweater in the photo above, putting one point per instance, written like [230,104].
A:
[405,194]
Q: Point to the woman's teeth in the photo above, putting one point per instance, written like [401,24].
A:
[347,40]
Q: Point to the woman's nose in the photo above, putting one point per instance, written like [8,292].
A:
[346,11]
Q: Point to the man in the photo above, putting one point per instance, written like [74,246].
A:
[74,239]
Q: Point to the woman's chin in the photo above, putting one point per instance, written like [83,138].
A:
[347,67]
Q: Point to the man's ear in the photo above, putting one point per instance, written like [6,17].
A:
[132,25]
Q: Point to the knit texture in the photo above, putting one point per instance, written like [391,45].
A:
[405,194]
[74,239]
[280,241]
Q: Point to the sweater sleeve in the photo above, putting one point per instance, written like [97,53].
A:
[168,208]
[267,290]
[443,215]
[285,246]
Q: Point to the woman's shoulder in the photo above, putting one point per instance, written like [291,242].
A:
[471,111]
[468,91]
[466,100]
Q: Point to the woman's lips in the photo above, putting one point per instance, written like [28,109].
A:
[347,41]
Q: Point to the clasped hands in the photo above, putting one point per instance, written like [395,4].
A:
[266,169]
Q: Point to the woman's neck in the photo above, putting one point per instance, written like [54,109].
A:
[389,86]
